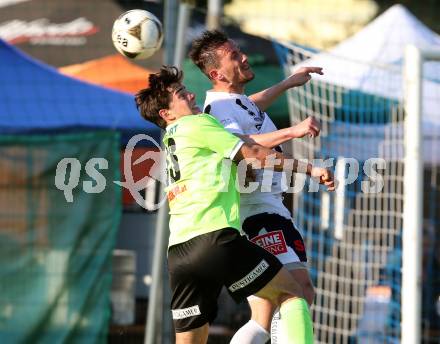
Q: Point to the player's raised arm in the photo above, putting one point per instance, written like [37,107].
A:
[265,98]
[310,126]
[280,162]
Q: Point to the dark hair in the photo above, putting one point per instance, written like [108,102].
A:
[157,96]
[203,49]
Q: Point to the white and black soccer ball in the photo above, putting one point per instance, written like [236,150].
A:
[137,34]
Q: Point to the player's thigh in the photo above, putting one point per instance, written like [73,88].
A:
[248,268]
[280,288]
[196,336]
[302,276]
[194,282]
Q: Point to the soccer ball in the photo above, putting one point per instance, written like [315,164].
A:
[137,34]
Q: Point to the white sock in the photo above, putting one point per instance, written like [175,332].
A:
[275,327]
[250,333]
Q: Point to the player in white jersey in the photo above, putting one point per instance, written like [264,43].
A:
[265,219]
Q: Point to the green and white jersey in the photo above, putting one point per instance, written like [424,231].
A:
[201,190]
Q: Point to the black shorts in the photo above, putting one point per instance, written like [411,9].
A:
[200,267]
[279,236]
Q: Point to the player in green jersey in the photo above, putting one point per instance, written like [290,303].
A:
[206,250]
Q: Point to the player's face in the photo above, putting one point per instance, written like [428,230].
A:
[234,65]
[182,101]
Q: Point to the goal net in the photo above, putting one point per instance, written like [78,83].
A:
[354,235]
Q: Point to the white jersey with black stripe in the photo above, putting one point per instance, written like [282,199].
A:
[240,115]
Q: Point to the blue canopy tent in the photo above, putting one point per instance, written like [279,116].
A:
[55,251]
[35,97]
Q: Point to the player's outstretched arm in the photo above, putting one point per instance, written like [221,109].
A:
[310,126]
[265,98]
[279,162]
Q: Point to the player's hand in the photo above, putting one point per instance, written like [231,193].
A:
[324,176]
[310,126]
[302,76]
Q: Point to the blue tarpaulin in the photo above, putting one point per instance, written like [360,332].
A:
[35,97]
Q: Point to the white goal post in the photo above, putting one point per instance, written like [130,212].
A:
[413,194]
[357,240]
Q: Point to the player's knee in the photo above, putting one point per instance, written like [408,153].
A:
[277,296]
[282,287]
[288,296]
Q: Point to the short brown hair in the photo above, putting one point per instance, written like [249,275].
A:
[156,97]
[203,49]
